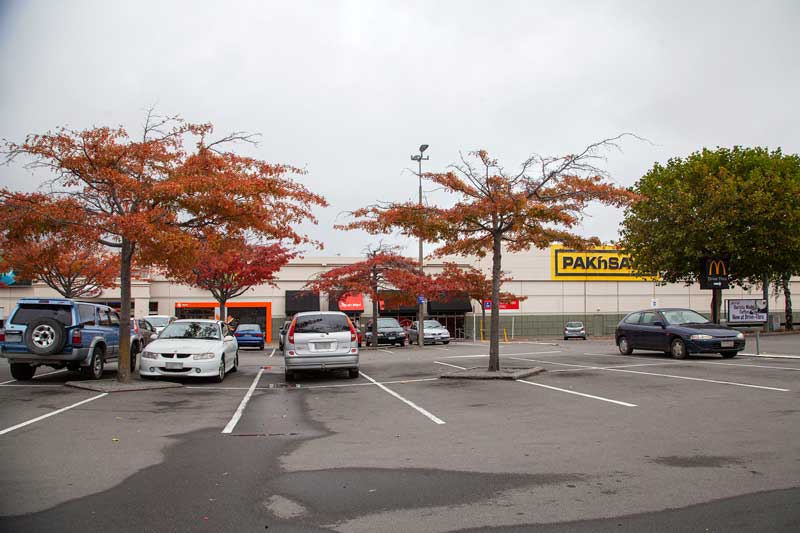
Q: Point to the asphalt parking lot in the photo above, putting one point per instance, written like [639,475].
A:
[599,441]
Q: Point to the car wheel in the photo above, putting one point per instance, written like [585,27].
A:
[221,373]
[677,349]
[728,355]
[624,346]
[445,342]
[22,371]
[261,347]
[566,338]
[235,362]
[96,365]
[352,373]
[289,375]
[134,353]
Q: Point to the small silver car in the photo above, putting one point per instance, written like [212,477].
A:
[434,332]
[574,330]
[321,340]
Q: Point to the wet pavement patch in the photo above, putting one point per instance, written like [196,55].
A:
[342,493]
[697,461]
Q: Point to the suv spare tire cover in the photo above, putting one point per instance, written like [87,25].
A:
[45,336]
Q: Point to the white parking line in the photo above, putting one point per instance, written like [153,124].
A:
[441,349]
[448,364]
[772,355]
[304,387]
[697,361]
[501,355]
[271,353]
[240,410]
[598,367]
[48,415]
[407,402]
[385,350]
[625,404]
[37,376]
[609,369]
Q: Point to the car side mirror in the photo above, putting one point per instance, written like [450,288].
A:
[659,323]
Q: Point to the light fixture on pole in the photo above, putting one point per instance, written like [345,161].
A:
[421,312]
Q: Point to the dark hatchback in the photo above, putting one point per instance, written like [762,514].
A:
[676,332]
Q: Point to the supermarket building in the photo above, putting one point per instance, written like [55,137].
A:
[555,285]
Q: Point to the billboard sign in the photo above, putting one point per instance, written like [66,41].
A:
[603,263]
[743,311]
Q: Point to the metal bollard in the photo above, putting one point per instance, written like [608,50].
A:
[758,348]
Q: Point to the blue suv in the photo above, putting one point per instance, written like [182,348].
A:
[60,333]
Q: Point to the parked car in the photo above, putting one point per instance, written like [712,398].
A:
[574,330]
[192,348]
[249,335]
[321,340]
[389,332]
[676,332]
[159,322]
[60,333]
[146,331]
[434,332]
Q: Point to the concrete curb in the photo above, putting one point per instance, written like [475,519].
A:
[112,385]
[506,373]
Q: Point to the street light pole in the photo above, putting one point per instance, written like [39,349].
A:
[421,311]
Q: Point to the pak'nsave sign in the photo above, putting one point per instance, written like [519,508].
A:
[603,263]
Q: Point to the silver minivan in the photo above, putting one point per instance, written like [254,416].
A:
[321,340]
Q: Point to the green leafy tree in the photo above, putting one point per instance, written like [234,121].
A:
[742,204]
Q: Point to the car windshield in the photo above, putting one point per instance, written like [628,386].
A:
[158,321]
[684,316]
[432,324]
[248,327]
[388,323]
[574,324]
[28,312]
[321,324]
[191,330]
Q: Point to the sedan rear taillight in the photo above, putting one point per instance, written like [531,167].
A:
[353,332]
[290,335]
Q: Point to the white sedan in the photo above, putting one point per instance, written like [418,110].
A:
[196,348]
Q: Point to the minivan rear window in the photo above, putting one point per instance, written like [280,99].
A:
[321,324]
[28,312]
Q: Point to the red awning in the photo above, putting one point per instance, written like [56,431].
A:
[351,302]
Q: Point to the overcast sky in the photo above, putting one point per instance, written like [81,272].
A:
[349,90]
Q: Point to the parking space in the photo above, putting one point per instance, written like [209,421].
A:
[616,424]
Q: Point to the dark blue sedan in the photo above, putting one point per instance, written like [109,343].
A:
[676,332]
[250,335]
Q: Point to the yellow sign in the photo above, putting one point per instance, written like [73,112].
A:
[604,263]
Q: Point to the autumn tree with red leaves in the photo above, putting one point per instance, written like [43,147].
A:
[537,205]
[473,282]
[74,267]
[382,270]
[151,197]
[230,268]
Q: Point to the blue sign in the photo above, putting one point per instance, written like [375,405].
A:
[420,300]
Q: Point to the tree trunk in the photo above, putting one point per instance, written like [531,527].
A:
[494,333]
[716,303]
[786,282]
[222,309]
[126,260]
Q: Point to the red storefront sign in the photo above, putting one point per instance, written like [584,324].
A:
[351,302]
[513,305]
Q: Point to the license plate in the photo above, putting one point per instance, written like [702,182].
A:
[726,344]
[13,337]
[323,345]
[174,366]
